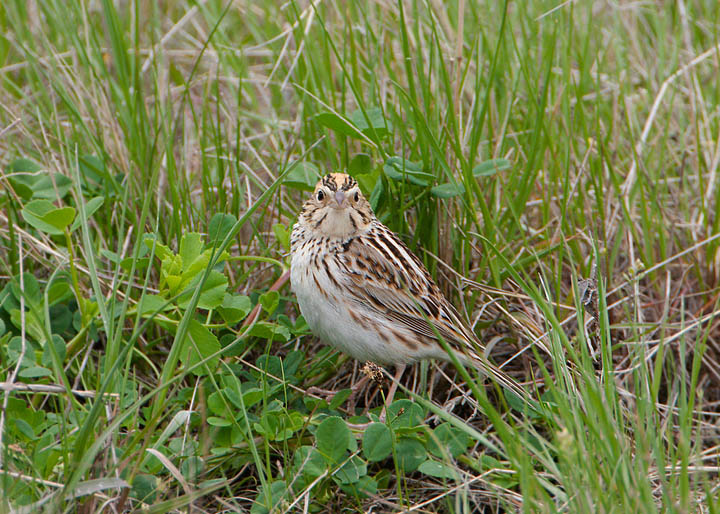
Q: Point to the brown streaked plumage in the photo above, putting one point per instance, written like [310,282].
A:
[363,291]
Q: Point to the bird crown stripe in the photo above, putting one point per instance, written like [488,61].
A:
[328,182]
[331,182]
[349,183]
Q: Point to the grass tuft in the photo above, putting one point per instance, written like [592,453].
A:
[554,165]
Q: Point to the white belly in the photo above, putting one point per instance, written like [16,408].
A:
[327,313]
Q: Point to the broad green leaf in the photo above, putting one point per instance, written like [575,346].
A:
[194,269]
[252,396]
[410,453]
[269,425]
[518,404]
[8,297]
[361,163]
[56,342]
[127,262]
[234,308]
[377,442]
[405,413]
[303,176]
[22,186]
[34,372]
[172,265]
[61,318]
[22,178]
[377,194]
[213,291]
[366,486]
[401,169]
[199,344]
[51,187]
[212,294]
[60,218]
[150,304]
[333,438]
[446,439]
[91,206]
[44,216]
[92,168]
[144,488]
[192,467]
[267,501]
[272,331]
[89,307]
[351,471]
[339,398]
[378,123]
[270,301]
[489,463]
[225,402]
[23,426]
[161,251]
[39,208]
[219,227]
[282,234]
[338,124]
[173,282]
[218,422]
[34,327]
[33,183]
[59,291]
[29,181]
[292,362]
[23,165]
[490,167]
[215,403]
[270,364]
[448,190]
[437,469]
[288,424]
[31,288]
[309,461]
[191,247]
[18,408]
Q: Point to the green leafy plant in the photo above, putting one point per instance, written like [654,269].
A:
[559,182]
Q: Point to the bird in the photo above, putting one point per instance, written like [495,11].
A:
[361,289]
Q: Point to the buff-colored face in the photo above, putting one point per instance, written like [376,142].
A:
[337,208]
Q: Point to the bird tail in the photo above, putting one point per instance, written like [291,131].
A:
[503,380]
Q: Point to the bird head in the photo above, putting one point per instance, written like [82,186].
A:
[337,208]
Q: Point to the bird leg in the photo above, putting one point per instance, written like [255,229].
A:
[399,370]
[370,372]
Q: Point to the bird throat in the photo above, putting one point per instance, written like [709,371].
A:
[337,223]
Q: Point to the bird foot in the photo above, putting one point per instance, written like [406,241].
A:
[370,371]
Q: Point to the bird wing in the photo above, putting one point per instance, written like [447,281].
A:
[386,277]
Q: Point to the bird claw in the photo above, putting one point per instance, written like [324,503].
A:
[373,372]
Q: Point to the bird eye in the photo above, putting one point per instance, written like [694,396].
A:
[320,195]
[357,196]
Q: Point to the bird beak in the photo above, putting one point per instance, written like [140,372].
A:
[340,198]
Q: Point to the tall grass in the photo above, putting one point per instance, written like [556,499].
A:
[576,228]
